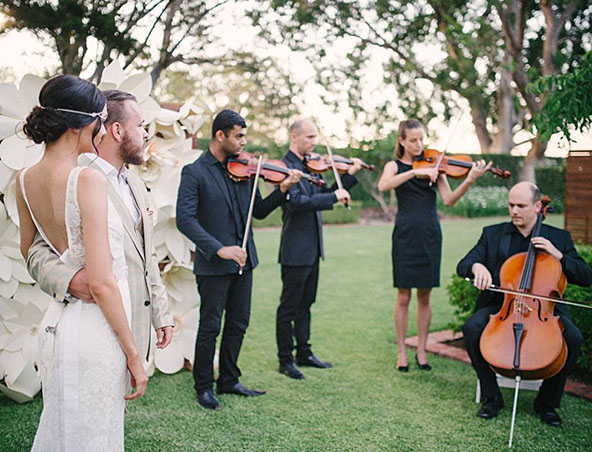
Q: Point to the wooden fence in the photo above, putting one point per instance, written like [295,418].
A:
[578,195]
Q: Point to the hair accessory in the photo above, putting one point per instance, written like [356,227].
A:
[102,115]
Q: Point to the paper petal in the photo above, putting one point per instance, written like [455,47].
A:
[27,384]
[20,273]
[150,109]
[112,74]
[169,360]
[7,289]
[9,126]
[29,90]
[5,268]
[139,85]
[11,103]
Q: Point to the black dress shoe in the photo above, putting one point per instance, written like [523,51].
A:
[403,368]
[291,371]
[208,400]
[239,389]
[313,361]
[490,407]
[425,366]
[547,414]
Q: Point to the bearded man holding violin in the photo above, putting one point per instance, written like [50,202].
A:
[484,262]
[212,211]
[300,249]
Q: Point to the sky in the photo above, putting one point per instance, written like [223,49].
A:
[21,52]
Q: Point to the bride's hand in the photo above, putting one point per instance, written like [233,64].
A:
[139,378]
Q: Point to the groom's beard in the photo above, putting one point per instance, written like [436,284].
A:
[131,153]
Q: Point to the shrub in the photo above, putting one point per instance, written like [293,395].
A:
[463,296]
[479,202]
[582,317]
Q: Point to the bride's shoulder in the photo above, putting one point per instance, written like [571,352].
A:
[90,179]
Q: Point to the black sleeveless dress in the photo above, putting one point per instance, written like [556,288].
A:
[417,238]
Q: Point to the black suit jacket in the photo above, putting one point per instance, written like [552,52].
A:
[493,248]
[302,230]
[206,216]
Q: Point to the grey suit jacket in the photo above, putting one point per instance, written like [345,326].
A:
[149,299]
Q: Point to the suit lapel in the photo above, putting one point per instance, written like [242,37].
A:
[217,176]
[126,219]
[138,194]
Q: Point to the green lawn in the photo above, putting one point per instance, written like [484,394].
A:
[361,404]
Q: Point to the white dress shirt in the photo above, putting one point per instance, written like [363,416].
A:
[118,178]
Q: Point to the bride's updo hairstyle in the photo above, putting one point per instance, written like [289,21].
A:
[65,102]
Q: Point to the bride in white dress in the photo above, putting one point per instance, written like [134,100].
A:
[86,349]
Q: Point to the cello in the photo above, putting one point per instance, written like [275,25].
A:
[525,339]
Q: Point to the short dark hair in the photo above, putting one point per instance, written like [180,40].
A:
[226,120]
[47,122]
[115,105]
[536,193]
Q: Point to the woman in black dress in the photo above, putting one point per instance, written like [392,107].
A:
[417,239]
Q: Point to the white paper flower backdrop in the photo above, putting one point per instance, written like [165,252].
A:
[22,303]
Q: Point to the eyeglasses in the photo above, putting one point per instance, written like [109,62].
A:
[102,115]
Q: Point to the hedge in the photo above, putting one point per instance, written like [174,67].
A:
[462,295]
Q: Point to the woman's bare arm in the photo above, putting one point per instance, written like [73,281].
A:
[92,198]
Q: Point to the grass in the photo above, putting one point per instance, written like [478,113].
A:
[362,404]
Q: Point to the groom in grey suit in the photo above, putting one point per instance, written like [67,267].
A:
[122,145]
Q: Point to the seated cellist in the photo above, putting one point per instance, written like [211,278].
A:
[483,263]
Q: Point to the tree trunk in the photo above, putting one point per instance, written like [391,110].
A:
[534,156]
[503,141]
[480,123]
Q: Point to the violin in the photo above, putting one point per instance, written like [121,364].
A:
[317,163]
[525,339]
[244,166]
[455,166]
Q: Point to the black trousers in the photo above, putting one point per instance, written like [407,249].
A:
[230,293]
[293,314]
[551,390]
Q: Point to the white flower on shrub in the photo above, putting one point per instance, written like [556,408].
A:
[184,302]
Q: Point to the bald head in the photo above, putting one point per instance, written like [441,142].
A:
[303,137]
[523,205]
[527,189]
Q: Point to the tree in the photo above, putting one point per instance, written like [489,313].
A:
[569,101]
[120,29]
[490,50]
[261,89]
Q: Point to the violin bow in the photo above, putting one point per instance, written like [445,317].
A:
[495,288]
[335,172]
[251,205]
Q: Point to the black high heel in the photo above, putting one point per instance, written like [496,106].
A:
[403,368]
[425,366]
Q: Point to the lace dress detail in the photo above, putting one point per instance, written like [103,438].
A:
[83,368]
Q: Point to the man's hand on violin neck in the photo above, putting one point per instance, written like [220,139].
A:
[543,244]
[478,170]
[233,253]
[357,166]
[482,277]
[292,179]
[343,196]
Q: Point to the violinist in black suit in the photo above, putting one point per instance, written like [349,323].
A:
[212,212]
[483,263]
[300,249]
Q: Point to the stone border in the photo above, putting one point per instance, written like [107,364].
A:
[437,345]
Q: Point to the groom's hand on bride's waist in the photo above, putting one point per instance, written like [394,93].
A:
[79,287]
